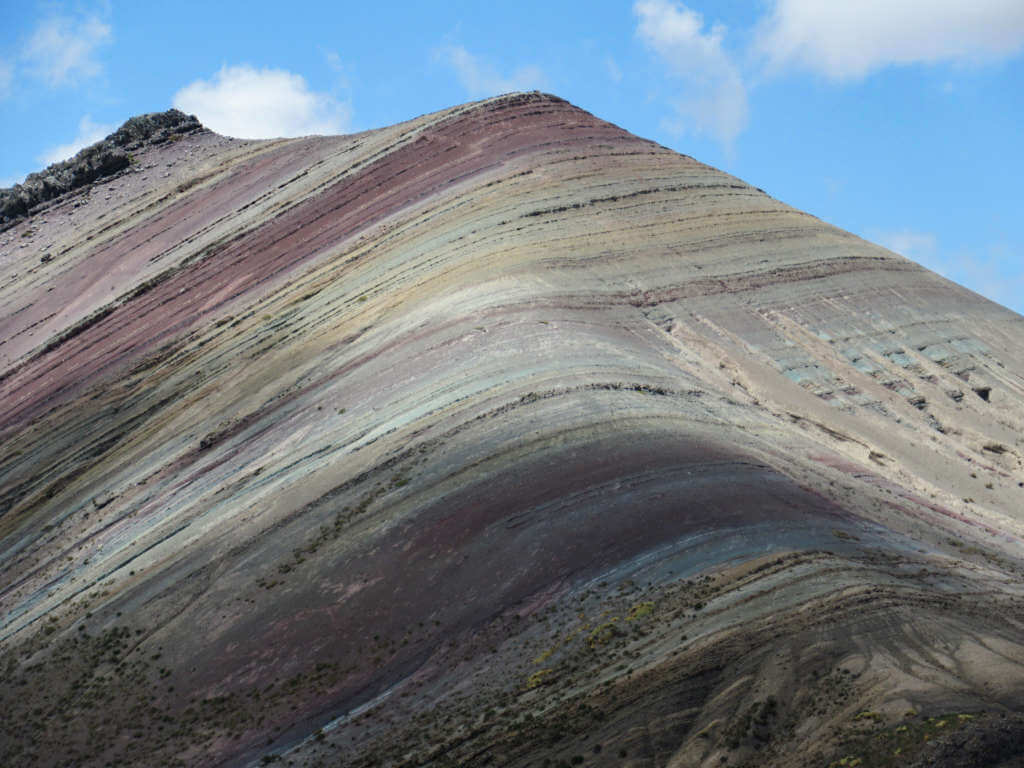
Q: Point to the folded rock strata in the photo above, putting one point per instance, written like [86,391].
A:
[494,437]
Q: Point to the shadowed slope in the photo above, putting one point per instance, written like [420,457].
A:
[497,433]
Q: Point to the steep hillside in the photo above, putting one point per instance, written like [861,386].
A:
[499,436]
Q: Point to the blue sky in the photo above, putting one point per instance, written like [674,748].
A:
[899,120]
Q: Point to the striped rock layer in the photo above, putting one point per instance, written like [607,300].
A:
[494,437]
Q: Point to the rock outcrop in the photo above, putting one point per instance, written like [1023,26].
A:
[104,158]
[497,437]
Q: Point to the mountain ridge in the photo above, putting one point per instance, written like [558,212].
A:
[327,447]
[99,160]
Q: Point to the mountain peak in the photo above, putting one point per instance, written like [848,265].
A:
[154,128]
[497,436]
[104,158]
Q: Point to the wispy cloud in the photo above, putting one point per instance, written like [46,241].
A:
[614,72]
[6,76]
[341,72]
[334,61]
[88,133]
[480,78]
[849,39]
[62,50]
[712,98]
[993,272]
[906,242]
[254,103]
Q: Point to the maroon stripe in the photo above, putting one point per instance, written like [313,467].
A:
[446,154]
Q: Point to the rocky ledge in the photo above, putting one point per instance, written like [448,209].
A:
[104,158]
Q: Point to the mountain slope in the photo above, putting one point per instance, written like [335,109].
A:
[496,435]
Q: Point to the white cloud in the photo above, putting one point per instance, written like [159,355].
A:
[848,39]
[88,133]
[479,78]
[62,50]
[713,99]
[250,103]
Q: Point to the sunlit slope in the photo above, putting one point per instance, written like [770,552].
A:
[500,408]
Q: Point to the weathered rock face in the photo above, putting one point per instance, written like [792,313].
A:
[499,435]
[104,158]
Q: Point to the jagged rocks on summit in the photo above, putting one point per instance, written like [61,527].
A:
[104,158]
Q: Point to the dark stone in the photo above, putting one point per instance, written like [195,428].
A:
[104,158]
[99,502]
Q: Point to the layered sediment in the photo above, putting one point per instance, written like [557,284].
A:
[498,435]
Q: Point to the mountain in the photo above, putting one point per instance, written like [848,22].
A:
[500,436]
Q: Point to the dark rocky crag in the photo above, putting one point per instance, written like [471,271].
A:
[104,158]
